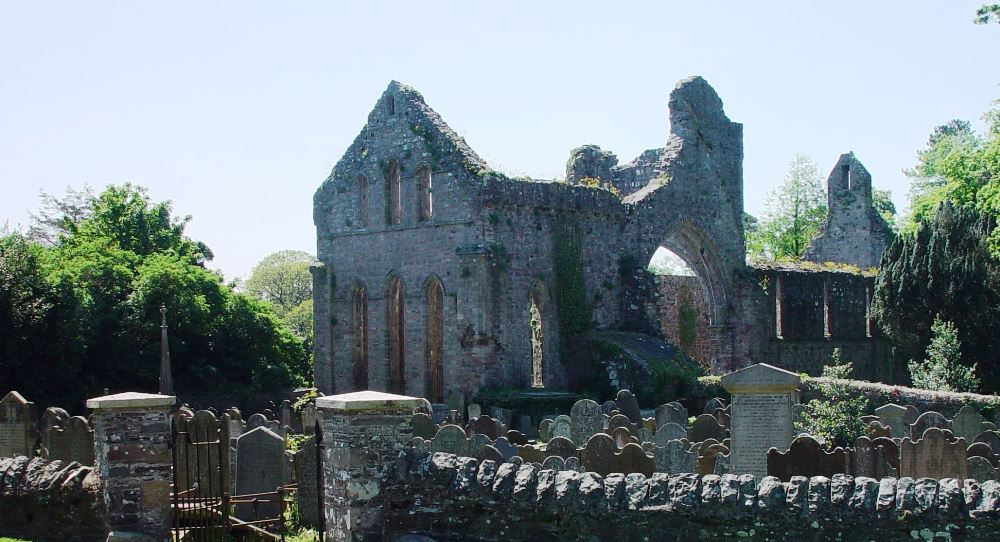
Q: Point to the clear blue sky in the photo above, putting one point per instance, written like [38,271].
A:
[236,111]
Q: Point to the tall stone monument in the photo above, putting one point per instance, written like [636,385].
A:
[761,416]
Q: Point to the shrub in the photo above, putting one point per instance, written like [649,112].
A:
[834,420]
[942,370]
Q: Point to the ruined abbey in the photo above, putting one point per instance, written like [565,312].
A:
[438,275]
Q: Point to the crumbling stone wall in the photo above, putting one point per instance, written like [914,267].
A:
[682,310]
[853,232]
[411,202]
[50,501]
[445,497]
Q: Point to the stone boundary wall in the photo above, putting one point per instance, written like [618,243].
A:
[947,403]
[447,497]
[50,501]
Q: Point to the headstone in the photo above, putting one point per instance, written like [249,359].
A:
[308,417]
[894,416]
[967,423]
[531,454]
[486,425]
[675,458]
[573,463]
[628,406]
[712,404]
[618,420]
[561,446]
[545,430]
[707,462]
[876,430]
[18,431]
[506,449]
[599,455]
[937,455]
[516,438]
[981,449]
[671,413]
[451,439]
[586,420]
[423,426]
[722,415]
[305,477]
[706,427]
[255,421]
[761,415]
[872,459]
[991,439]
[980,469]
[562,426]
[645,435]
[475,410]
[667,432]
[623,436]
[476,444]
[286,414]
[73,441]
[607,407]
[260,469]
[51,418]
[806,457]
[926,421]
[488,452]
[554,462]
[912,413]
[505,415]
[632,459]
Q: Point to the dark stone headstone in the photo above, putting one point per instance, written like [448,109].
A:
[260,469]
[628,406]
[305,476]
[805,457]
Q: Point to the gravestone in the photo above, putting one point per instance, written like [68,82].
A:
[927,420]
[937,455]
[545,430]
[573,463]
[981,449]
[517,438]
[305,476]
[309,414]
[506,449]
[912,413]
[488,452]
[671,413]
[877,429]
[874,458]
[586,420]
[260,469]
[667,432]
[255,421]
[895,417]
[607,407]
[423,426]
[561,427]
[722,415]
[476,444]
[706,427]
[708,460]
[675,458]
[17,426]
[806,457]
[632,459]
[52,417]
[486,425]
[451,439]
[628,406]
[531,454]
[991,439]
[713,404]
[73,441]
[599,455]
[622,436]
[761,415]
[980,469]
[286,414]
[561,446]
[967,423]
[554,462]
[475,410]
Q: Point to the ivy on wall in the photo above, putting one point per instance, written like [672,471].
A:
[687,320]
[572,308]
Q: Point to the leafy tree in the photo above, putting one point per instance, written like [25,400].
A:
[282,279]
[882,202]
[835,419]
[82,314]
[57,215]
[944,268]
[942,369]
[794,213]
[988,13]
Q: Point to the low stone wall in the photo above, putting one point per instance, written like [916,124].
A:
[50,501]
[947,403]
[446,497]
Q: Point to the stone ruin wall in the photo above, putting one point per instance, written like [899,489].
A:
[673,290]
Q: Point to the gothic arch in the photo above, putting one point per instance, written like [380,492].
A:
[425,197]
[362,187]
[359,334]
[434,338]
[393,203]
[395,308]
[538,306]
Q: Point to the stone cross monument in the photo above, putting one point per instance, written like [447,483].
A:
[761,416]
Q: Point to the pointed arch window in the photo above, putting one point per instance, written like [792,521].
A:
[359,332]
[362,201]
[425,206]
[537,341]
[435,341]
[393,208]
[394,310]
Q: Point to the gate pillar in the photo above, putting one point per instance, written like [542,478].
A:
[132,455]
[363,433]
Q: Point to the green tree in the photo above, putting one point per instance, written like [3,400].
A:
[988,13]
[944,268]
[882,202]
[793,214]
[282,279]
[834,419]
[942,369]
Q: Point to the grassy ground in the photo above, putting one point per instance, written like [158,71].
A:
[5,539]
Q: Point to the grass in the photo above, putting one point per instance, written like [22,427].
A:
[6,539]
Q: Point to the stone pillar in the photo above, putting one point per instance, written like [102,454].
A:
[760,416]
[363,433]
[132,456]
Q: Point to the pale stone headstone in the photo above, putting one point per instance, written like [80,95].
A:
[475,410]
[450,439]
[761,415]
[305,477]
[967,423]
[561,427]
[936,455]
[926,421]
[586,420]
[667,432]
[894,416]
[261,469]
[671,413]
[73,441]
[675,458]
[17,426]
[545,430]
[628,406]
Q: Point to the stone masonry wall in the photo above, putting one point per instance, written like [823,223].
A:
[674,289]
[50,501]
[446,497]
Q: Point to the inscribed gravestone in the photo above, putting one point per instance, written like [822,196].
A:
[926,421]
[761,415]
[894,416]
[671,413]
[17,426]
[871,457]
[628,406]
[561,427]
[586,420]
[305,476]
[561,446]
[260,469]
[675,457]
[936,455]
[255,421]
[74,441]
[667,432]
[967,423]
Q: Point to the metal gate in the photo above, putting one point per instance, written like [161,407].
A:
[202,500]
